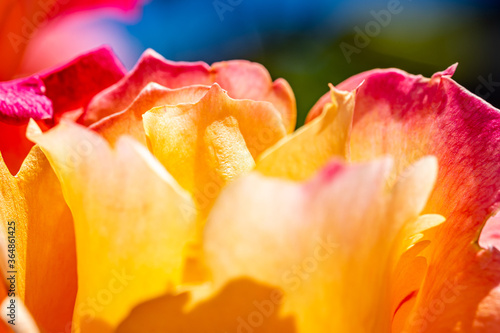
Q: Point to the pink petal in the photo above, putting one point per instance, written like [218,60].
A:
[410,116]
[73,85]
[241,79]
[23,99]
[151,67]
[129,121]
[50,96]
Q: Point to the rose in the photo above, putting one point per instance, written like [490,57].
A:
[153,82]
[426,276]
[351,247]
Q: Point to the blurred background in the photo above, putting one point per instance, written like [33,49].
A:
[309,43]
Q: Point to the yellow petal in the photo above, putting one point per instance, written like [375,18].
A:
[129,121]
[50,284]
[327,242]
[13,214]
[207,144]
[45,259]
[303,153]
[132,222]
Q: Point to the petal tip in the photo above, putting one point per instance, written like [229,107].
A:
[450,71]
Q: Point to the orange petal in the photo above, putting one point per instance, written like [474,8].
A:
[129,246]
[241,79]
[467,302]
[45,245]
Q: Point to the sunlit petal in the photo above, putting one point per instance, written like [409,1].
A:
[241,79]
[320,240]
[129,246]
[303,153]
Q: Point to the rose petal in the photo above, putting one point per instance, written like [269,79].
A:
[241,79]
[129,121]
[142,231]
[65,88]
[23,99]
[151,67]
[318,241]
[467,302]
[207,144]
[45,245]
[410,116]
[20,100]
[355,81]
[50,96]
[307,150]
[13,208]
[73,85]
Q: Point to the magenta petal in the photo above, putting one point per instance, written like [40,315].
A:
[73,85]
[23,99]
[354,81]
[151,67]
[409,116]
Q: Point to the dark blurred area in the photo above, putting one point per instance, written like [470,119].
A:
[311,43]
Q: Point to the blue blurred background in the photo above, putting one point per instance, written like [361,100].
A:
[311,43]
